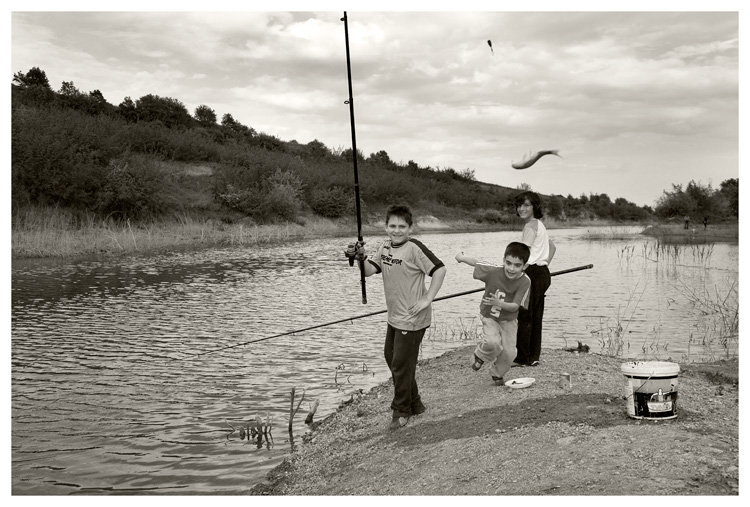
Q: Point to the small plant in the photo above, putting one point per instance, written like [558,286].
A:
[611,335]
[461,331]
[719,316]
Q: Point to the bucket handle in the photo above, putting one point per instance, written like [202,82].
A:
[644,383]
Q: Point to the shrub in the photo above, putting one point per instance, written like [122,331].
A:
[334,202]
[132,188]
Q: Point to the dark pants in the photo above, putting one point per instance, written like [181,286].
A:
[401,354]
[529,336]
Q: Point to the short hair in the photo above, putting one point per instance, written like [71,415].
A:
[518,250]
[399,210]
[534,199]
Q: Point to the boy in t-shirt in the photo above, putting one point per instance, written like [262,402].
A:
[405,263]
[506,289]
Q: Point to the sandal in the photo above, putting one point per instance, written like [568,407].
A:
[477,364]
[498,381]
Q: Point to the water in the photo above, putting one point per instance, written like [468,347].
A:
[108,398]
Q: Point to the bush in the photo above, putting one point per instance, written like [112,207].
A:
[132,188]
[334,202]
[276,197]
[492,216]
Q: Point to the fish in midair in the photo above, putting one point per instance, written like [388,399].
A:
[532,158]
[489,43]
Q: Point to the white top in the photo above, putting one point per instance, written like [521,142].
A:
[535,236]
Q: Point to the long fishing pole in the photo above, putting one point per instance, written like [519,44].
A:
[441,298]
[354,158]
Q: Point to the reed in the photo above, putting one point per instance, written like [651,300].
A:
[611,333]
[455,331]
[56,232]
[610,234]
[716,330]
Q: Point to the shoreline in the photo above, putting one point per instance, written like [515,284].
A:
[477,439]
[101,241]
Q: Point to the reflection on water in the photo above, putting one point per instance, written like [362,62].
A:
[107,396]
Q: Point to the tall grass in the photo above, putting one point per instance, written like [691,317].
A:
[716,330]
[612,332]
[58,232]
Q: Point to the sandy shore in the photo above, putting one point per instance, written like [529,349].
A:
[478,439]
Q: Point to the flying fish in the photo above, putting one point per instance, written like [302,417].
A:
[532,158]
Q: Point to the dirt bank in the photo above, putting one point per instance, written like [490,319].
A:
[478,439]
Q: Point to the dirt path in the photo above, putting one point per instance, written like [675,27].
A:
[478,439]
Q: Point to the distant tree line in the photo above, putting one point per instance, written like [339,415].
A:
[74,149]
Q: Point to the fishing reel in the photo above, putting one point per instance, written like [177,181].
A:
[353,252]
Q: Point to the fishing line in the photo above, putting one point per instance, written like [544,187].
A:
[348,319]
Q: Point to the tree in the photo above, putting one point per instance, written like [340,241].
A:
[34,77]
[555,206]
[170,112]
[205,115]
[703,197]
[380,158]
[97,103]
[126,109]
[676,203]
[729,196]
[228,122]
[318,150]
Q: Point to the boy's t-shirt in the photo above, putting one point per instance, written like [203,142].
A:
[497,282]
[404,268]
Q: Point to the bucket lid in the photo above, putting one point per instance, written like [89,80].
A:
[650,368]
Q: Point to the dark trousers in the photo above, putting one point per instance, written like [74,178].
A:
[529,336]
[401,354]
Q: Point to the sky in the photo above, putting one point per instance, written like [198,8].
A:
[635,101]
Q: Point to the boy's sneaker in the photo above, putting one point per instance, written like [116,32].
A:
[477,364]
[398,422]
[498,381]
[418,408]
[533,363]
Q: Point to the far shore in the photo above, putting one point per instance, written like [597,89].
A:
[61,241]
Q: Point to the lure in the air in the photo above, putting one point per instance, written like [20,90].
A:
[489,43]
[531,159]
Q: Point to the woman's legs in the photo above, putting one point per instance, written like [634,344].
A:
[529,336]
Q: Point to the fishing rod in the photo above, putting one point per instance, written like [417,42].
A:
[348,319]
[354,157]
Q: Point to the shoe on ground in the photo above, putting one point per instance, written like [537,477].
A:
[418,408]
[477,364]
[498,381]
[398,422]
[533,363]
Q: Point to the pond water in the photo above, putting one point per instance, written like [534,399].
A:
[108,396]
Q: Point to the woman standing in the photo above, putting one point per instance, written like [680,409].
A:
[529,336]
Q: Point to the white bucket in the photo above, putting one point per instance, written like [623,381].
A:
[651,389]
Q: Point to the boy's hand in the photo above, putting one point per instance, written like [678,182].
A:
[420,305]
[355,251]
[491,301]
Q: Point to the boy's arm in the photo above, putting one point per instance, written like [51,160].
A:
[437,281]
[471,261]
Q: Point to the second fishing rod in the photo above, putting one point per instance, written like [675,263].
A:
[348,319]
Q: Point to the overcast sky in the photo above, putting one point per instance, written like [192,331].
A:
[634,101]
